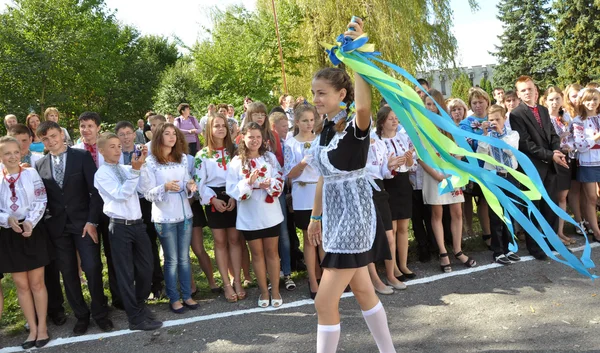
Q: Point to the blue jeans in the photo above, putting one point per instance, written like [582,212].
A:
[284,240]
[175,239]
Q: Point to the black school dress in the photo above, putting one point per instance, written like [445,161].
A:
[353,232]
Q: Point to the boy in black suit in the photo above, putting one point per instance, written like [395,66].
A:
[72,214]
[538,141]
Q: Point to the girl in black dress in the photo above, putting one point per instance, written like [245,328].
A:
[23,242]
[344,205]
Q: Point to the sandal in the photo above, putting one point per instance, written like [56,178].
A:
[289,283]
[445,268]
[262,303]
[241,293]
[276,303]
[469,263]
[230,298]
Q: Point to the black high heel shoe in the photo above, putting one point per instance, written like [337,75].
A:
[411,275]
[445,268]
[469,263]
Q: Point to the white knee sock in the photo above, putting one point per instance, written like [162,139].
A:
[378,325]
[327,338]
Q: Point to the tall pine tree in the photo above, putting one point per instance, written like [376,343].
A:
[524,45]
[577,41]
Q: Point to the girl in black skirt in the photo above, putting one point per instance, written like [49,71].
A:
[303,179]
[23,241]
[344,205]
[212,164]
[255,181]
[399,146]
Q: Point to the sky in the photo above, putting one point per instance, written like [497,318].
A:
[476,33]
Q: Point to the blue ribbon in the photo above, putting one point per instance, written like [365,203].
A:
[405,108]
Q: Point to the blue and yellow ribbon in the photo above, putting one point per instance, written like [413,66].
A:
[439,151]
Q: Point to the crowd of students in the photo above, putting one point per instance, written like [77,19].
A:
[254,182]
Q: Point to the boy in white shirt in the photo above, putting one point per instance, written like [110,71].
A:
[118,185]
[497,129]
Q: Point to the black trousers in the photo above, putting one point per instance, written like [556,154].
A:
[421,223]
[550,180]
[66,246]
[54,288]
[157,274]
[132,255]
[499,230]
[112,279]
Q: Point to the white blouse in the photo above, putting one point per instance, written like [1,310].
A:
[588,148]
[30,202]
[398,145]
[167,206]
[256,208]
[211,171]
[120,196]
[304,186]
[377,160]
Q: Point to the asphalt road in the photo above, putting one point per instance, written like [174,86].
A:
[532,306]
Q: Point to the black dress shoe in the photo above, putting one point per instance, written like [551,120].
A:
[81,326]
[540,256]
[58,319]
[409,275]
[105,324]
[146,325]
[42,343]
[401,278]
[28,344]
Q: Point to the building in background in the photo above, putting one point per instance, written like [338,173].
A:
[442,80]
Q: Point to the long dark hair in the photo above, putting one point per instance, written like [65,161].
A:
[178,151]
[243,149]
[339,80]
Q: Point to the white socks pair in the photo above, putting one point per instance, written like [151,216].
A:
[328,336]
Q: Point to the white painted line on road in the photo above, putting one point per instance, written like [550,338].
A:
[170,323]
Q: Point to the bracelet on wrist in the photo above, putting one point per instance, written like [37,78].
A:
[316,218]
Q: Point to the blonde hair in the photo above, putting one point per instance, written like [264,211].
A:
[570,107]
[496,108]
[588,94]
[477,92]
[276,117]
[457,102]
[49,111]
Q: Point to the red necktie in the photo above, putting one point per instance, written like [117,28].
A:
[93,152]
[536,113]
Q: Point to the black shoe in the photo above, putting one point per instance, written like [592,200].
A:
[42,343]
[146,325]
[191,306]
[181,310]
[81,326]
[539,256]
[58,319]
[149,314]
[401,278]
[512,256]
[105,325]
[502,259]
[28,344]
[409,275]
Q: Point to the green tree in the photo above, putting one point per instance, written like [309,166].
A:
[73,54]
[177,85]
[414,34]
[461,86]
[486,85]
[525,43]
[577,40]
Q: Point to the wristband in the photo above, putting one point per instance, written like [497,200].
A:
[316,218]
